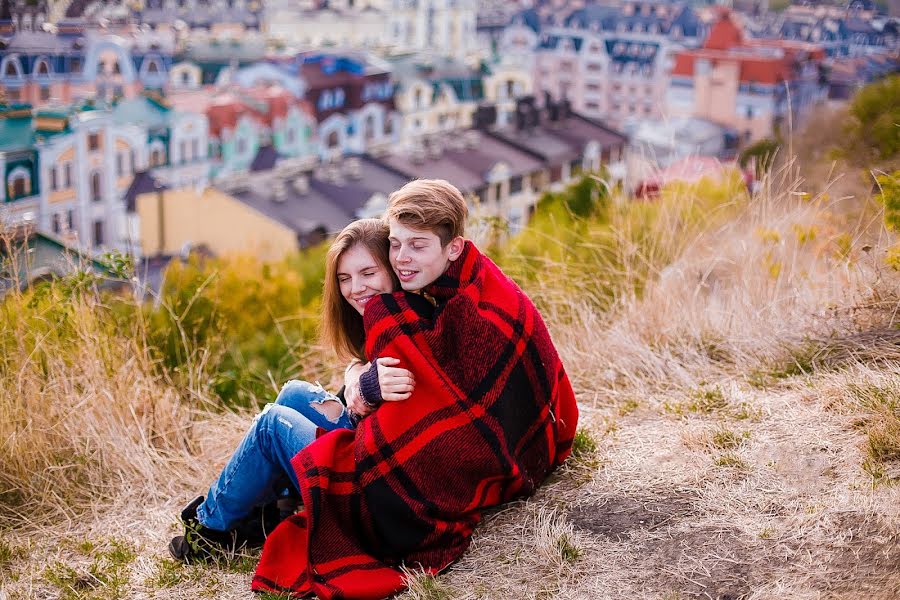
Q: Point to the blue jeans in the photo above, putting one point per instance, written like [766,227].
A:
[303,396]
[277,434]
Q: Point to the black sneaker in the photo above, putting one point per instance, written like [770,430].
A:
[252,530]
[199,543]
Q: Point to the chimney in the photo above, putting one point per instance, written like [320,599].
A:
[417,154]
[279,191]
[435,149]
[353,167]
[301,184]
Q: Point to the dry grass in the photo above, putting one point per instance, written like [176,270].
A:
[740,436]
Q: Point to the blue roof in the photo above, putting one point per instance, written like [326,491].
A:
[553,41]
[141,111]
[16,133]
[632,51]
[529,18]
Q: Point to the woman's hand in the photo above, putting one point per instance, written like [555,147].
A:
[396,382]
[355,402]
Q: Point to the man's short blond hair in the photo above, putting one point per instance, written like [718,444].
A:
[430,204]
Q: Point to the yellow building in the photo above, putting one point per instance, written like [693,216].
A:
[211,218]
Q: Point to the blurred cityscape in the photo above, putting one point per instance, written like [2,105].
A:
[153,127]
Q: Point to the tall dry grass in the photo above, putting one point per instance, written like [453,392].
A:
[760,286]
[86,422]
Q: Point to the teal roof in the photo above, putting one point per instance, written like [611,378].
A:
[16,134]
[141,111]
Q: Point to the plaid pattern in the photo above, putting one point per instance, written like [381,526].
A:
[493,413]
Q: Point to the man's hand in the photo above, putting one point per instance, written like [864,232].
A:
[396,382]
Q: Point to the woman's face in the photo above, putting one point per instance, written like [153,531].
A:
[360,277]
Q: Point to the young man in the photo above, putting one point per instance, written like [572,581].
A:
[492,414]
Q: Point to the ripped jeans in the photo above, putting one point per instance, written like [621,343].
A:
[277,434]
[308,399]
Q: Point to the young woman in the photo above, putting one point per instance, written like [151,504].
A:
[356,269]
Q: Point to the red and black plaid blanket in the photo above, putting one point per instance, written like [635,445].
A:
[493,413]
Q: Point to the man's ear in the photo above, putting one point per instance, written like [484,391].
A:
[456,247]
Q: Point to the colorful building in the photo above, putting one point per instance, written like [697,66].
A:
[609,62]
[66,171]
[756,87]
[74,64]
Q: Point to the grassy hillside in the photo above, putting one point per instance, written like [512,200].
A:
[735,358]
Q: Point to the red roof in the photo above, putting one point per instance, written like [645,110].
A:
[725,34]
[224,113]
[264,104]
[761,61]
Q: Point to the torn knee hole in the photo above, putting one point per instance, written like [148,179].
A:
[332,409]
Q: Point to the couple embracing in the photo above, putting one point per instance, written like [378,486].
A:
[455,401]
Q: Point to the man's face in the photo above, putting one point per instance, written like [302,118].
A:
[417,256]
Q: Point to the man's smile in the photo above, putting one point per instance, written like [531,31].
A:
[406,274]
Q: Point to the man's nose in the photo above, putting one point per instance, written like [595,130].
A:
[402,255]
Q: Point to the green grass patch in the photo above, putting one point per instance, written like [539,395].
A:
[730,460]
[169,573]
[880,403]
[705,400]
[584,444]
[628,406]
[9,554]
[724,439]
[567,548]
[105,578]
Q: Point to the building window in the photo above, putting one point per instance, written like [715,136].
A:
[70,219]
[75,64]
[156,158]
[57,223]
[98,233]
[182,148]
[555,173]
[195,148]
[289,136]
[120,164]
[45,93]
[13,95]
[11,70]
[241,145]
[67,175]
[515,185]
[93,141]
[18,186]
[96,187]
[43,69]
[54,184]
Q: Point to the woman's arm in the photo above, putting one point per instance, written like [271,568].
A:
[367,385]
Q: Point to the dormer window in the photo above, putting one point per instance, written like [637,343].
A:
[11,70]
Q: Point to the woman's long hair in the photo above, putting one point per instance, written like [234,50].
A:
[342,326]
